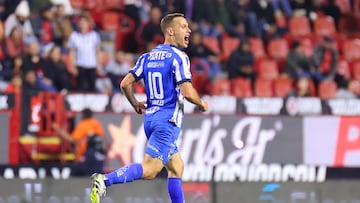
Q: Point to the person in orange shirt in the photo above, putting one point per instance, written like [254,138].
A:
[88,126]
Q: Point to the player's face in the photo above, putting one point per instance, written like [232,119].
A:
[181,32]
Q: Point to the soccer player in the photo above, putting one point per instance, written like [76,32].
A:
[167,78]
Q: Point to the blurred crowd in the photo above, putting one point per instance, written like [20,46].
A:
[238,47]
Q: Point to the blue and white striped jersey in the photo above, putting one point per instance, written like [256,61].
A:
[85,47]
[163,69]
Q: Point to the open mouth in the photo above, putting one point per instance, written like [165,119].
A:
[186,38]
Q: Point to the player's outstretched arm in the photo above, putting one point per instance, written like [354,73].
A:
[190,94]
[127,89]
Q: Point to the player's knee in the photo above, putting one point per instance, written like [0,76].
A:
[150,173]
[176,171]
[180,170]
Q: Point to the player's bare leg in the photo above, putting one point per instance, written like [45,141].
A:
[151,167]
[175,168]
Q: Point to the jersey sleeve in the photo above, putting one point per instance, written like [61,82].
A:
[138,69]
[182,68]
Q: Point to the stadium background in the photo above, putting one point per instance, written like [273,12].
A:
[250,147]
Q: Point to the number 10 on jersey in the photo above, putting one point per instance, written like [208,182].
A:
[156,88]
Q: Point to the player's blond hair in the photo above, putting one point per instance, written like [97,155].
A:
[167,20]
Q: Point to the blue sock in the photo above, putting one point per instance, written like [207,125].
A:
[124,174]
[175,190]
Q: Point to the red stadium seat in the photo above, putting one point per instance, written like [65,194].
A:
[344,5]
[351,49]
[263,88]
[110,21]
[268,69]
[356,7]
[114,4]
[201,83]
[356,71]
[93,4]
[228,45]
[282,86]
[299,26]
[79,4]
[212,43]
[257,47]
[241,87]
[221,86]
[126,28]
[324,26]
[278,48]
[327,89]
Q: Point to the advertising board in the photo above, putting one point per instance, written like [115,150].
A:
[332,141]
[76,190]
[221,148]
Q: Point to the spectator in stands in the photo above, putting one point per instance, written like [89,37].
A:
[14,44]
[331,9]
[103,85]
[10,7]
[2,10]
[88,126]
[197,50]
[85,52]
[150,33]
[133,10]
[56,70]
[30,84]
[241,63]
[302,7]
[346,88]
[200,11]
[203,19]
[180,6]
[282,6]
[43,24]
[262,19]
[222,14]
[34,62]
[12,67]
[68,10]
[240,21]
[302,88]
[15,84]
[36,6]
[162,5]
[117,68]
[62,27]
[325,58]
[297,64]
[14,47]
[18,66]
[20,18]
